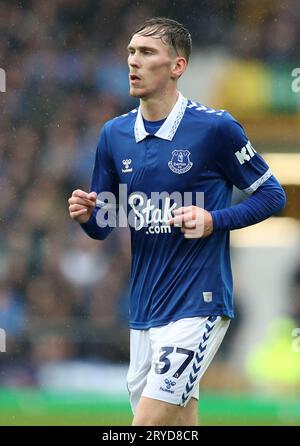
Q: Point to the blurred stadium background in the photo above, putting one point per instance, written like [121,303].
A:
[64,297]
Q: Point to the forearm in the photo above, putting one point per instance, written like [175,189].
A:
[266,201]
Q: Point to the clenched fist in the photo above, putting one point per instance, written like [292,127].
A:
[195,222]
[81,205]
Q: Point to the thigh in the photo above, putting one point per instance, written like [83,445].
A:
[140,365]
[181,353]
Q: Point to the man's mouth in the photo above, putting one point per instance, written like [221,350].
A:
[134,77]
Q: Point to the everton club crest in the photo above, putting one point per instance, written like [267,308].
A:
[180,162]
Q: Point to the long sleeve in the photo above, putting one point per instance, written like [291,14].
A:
[267,200]
[105,184]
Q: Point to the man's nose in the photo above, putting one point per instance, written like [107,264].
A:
[133,60]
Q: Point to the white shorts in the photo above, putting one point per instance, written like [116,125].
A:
[167,363]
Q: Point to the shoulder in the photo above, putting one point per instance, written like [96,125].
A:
[218,118]
[121,121]
[227,132]
[115,128]
[201,111]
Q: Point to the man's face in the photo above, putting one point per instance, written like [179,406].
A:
[150,63]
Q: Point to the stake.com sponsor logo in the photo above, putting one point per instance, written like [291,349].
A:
[139,211]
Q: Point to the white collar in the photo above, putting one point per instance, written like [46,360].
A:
[169,127]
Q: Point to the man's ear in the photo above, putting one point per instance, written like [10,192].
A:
[178,67]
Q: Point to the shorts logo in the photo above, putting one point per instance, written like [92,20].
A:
[169,384]
[180,162]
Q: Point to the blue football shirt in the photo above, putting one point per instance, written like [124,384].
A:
[196,150]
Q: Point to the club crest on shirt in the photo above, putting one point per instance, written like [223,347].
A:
[180,162]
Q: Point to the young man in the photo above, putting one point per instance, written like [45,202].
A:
[181,283]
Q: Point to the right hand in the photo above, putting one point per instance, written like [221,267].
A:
[81,205]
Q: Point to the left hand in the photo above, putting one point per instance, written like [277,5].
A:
[195,222]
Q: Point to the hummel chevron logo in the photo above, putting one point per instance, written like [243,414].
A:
[205,338]
[201,107]
[192,378]
[202,348]
[184,398]
[209,327]
[196,369]
[188,388]
[199,359]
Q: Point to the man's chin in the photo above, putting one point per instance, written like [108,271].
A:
[136,92]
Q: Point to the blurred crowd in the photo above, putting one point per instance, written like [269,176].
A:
[63,295]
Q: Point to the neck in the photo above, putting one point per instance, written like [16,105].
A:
[159,107]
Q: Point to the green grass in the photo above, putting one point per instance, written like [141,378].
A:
[41,408]
[65,419]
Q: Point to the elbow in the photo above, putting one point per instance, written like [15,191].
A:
[275,195]
[283,199]
[280,200]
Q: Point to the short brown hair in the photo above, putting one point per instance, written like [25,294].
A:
[170,32]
